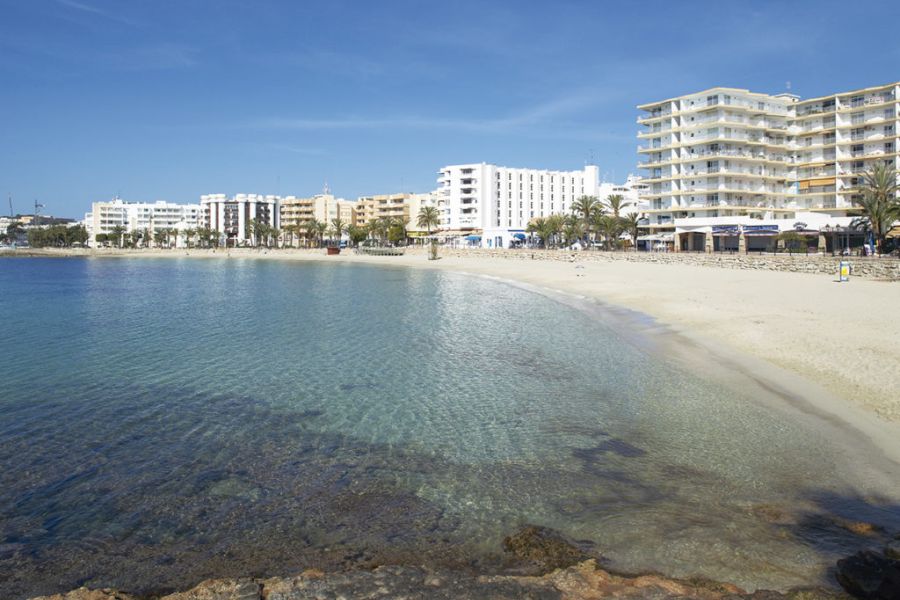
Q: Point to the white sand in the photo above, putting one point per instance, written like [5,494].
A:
[843,337]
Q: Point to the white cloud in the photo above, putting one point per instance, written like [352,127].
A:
[93,10]
[535,119]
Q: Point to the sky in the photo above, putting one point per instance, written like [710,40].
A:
[171,99]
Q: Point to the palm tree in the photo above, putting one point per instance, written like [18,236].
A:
[610,227]
[338,228]
[616,203]
[254,228]
[321,228]
[555,224]
[357,234]
[536,226]
[189,235]
[380,227]
[203,233]
[572,229]
[289,234]
[588,209]
[631,224]
[396,229]
[311,228]
[879,203]
[547,228]
[118,232]
[428,217]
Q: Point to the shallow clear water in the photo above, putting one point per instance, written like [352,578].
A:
[168,420]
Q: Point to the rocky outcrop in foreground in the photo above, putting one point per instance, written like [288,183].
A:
[582,581]
[571,572]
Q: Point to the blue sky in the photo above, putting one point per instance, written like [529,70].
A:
[169,99]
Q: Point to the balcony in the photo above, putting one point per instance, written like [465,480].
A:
[654,115]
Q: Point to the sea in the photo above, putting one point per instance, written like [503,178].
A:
[169,420]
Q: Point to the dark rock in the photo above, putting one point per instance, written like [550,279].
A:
[892,550]
[870,576]
[545,547]
[813,594]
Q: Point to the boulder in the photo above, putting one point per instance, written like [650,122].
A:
[870,576]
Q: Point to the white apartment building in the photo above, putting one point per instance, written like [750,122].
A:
[494,204]
[140,216]
[231,216]
[416,203]
[632,191]
[716,158]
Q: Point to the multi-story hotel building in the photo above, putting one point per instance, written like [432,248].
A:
[729,168]
[497,203]
[141,216]
[383,206]
[231,217]
[321,207]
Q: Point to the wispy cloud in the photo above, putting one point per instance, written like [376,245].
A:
[539,117]
[296,149]
[165,55]
[93,10]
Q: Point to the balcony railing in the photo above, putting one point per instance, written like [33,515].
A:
[655,115]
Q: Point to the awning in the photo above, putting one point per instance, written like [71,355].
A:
[519,236]
[473,238]
[760,229]
[725,230]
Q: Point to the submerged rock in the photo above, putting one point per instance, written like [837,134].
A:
[544,547]
[583,581]
[86,594]
[870,576]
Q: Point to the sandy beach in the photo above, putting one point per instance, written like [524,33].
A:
[840,338]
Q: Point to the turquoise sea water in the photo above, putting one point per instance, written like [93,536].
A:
[163,421]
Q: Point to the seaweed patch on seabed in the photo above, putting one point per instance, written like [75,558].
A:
[213,486]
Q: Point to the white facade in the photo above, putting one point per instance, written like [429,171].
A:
[231,216]
[728,152]
[631,191]
[140,216]
[499,202]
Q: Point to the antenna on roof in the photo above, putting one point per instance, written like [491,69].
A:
[326,190]
[10,207]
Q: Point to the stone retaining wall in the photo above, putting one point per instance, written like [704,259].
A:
[874,268]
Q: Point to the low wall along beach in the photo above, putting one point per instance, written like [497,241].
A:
[877,268]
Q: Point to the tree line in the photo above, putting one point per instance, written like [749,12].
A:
[311,233]
[53,236]
[591,222]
